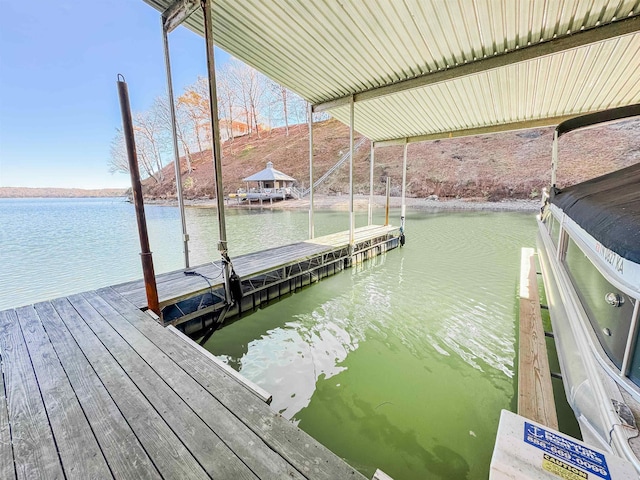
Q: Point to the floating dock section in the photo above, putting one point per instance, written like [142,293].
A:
[535,392]
[192,299]
[92,387]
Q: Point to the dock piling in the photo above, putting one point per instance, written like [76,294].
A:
[136,188]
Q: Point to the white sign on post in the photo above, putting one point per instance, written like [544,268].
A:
[527,450]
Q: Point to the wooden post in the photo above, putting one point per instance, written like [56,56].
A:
[535,392]
[136,188]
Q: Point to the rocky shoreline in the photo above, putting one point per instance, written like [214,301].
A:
[361,202]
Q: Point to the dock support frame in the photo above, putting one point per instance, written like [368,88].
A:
[217,157]
[403,210]
[174,135]
[371,162]
[311,224]
[352,222]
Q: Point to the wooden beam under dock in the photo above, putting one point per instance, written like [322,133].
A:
[535,392]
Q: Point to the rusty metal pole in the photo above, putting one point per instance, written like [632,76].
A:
[136,187]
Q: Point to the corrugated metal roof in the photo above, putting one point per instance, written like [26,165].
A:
[432,67]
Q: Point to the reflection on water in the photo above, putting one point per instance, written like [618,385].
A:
[402,363]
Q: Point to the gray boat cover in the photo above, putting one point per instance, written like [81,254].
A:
[608,208]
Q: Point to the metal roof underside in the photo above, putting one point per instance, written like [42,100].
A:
[427,69]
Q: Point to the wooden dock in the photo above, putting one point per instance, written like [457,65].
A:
[94,388]
[535,392]
[186,296]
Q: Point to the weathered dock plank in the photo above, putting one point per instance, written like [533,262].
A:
[304,453]
[240,441]
[34,448]
[7,469]
[166,450]
[535,391]
[95,388]
[125,455]
[75,441]
[202,442]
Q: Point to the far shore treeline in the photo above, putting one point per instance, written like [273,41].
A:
[26,192]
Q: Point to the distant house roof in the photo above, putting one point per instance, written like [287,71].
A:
[269,174]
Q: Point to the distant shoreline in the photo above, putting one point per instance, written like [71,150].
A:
[37,192]
[321,202]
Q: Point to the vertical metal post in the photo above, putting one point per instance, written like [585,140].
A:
[554,161]
[176,152]
[217,159]
[311,225]
[351,152]
[136,188]
[403,209]
[629,348]
[370,218]
[386,210]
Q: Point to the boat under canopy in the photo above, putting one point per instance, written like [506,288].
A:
[608,208]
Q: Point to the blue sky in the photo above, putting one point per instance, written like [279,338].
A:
[58,98]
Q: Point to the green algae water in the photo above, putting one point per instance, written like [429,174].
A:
[402,363]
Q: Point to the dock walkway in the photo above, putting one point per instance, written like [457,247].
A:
[265,275]
[94,388]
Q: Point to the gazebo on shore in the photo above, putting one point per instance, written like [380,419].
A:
[272,184]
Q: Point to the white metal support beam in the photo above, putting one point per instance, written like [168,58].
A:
[554,159]
[403,209]
[217,155]
[371,160]
[311,225]
[176,152]
[618,28]
[352,223]
[487,130]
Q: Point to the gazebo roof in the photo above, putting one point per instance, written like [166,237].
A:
[269,174]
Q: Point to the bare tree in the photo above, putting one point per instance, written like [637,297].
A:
[119,160]
[194,102]
[161,109]
[249,85]
[227,99]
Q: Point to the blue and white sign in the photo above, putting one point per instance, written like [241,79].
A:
[571,452]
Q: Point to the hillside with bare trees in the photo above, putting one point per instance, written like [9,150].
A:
[491,167]
[260,121]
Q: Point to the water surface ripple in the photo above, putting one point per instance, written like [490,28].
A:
[402,363]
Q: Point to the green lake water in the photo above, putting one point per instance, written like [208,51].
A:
[405,362]
[402,363]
